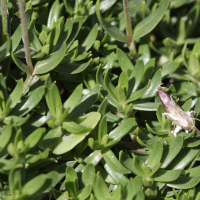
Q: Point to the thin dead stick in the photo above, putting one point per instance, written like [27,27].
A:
[129,32]
[25,36]
[4,20]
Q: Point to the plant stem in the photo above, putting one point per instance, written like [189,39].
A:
[129,32]
[25,36]
[4,21]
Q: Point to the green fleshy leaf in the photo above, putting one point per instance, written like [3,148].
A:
[171,151]
[5,136]
[113,162]
[93,158]
[73,127]
[167,175]
[64,33]
[19,63]
[72,68]
[186,156]
[155,84]
[109,86]
[184,182]
[150,22]
[33,139]
[136,75]
[28,103]
[33,39]
[100,188]
[50,61]
[127,162]
[16,178]
[69,141]
[51,138]
[38,185]
[55,103]
[139,93]
[122,129]
[187,105]
[118,178]
[16,37]
[124,61]
[3,88]
[90,39]
[102,131]
[155,154]
[84,104]
[77,23]
[148,69]
[54,14]
[88,174]
[140,167]
[16,93]
[85,192]
[150,106]
[111,30]
[169,68]
[53,38]
[74,98]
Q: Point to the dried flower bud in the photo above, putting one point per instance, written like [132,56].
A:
[182,119]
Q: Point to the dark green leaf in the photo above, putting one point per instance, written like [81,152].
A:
[89,40]
[127,162]
[124,61]
[73,127]
[74,98]
[69,140]
[122,129]
[139,93]
[84,104]
[171,151]
[111,30]
[51,138]
[113,162]
[184,182]
[33,139]
[19,63]
[137,74]
[28,103]
[150,22]
[5,50]
[54,14]
[53,38]
[169,68]
[50,61]
[155,83]
[64,33]
[88,174]
[155,154]
[16,37]
[72,68]
[150,106]
[100,188]
[77,23]
[33,39]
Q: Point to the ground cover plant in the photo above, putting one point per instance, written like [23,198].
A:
[99,99]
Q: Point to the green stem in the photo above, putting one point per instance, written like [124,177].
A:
[129,32]
[25,36]
[4,21]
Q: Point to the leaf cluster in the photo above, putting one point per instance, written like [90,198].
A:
[87,123]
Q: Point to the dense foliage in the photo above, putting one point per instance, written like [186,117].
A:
[86,121]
